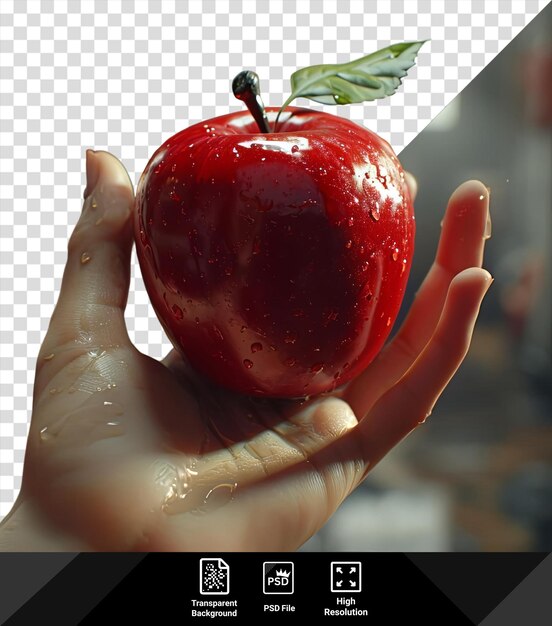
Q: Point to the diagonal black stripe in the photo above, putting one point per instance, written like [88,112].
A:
[153,578]
[23,574]
[530,602]
[72,593]
[477,582]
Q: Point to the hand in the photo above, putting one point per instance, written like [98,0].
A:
[128,453]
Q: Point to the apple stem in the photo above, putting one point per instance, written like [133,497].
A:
[246,87]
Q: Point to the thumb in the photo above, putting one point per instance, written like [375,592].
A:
[94,290]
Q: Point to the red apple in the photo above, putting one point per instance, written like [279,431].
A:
[276,262]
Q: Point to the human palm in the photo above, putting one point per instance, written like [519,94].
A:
[129,453]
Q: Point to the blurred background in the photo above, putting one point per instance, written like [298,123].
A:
[124,76]
[478,474]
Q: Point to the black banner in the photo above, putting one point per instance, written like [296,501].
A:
[88,588]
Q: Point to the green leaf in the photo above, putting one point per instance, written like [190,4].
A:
[374,76]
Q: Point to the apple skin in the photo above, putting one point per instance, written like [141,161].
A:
[276,263]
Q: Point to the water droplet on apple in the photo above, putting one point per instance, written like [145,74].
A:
[177,312]
[248,364]
[316,368]
[290,337]
[243,329]
[294,148]
[351,221]
[248,218]
[218,333]
[395,254]
[173,168]
[256,347]
[375,212]
[174,196]
[290,362]
[349,244]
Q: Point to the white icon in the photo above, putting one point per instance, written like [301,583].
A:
[278,577]
[346,576]
[214,577]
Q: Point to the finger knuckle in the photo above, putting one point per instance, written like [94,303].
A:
[77,239]
[453,345]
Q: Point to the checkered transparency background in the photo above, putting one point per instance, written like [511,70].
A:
[123,76]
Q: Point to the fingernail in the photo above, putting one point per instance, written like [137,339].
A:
[92,172]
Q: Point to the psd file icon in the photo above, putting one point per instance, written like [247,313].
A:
[278,577]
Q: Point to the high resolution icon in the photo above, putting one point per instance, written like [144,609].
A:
[346,576]
[214,577]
